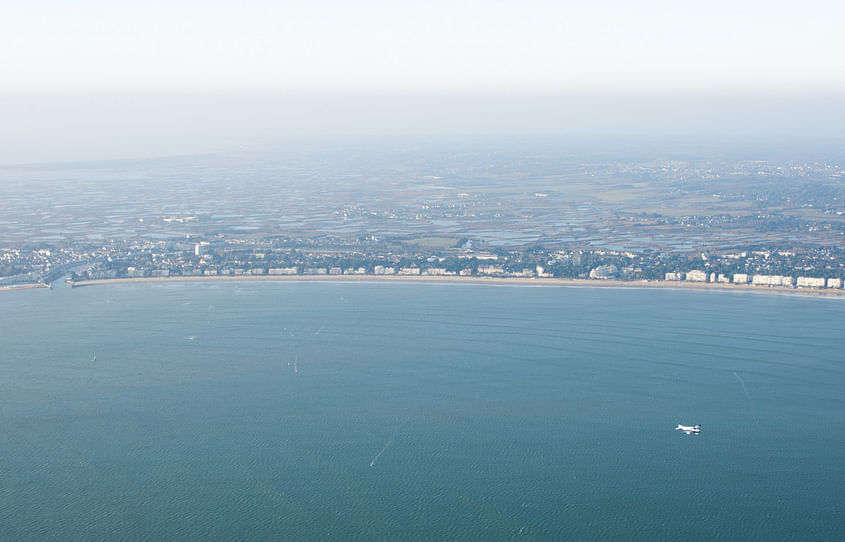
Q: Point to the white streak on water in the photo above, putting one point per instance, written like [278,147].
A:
[386,446]
[747,396]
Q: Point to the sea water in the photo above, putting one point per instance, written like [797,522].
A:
[297,411]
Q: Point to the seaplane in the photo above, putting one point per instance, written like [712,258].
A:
[689,429]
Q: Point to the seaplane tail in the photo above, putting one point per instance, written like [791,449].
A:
[689,429]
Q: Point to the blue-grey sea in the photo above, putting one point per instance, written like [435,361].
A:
[374,411]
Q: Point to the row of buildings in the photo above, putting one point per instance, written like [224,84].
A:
[818,267]
[599,273]
[756,280]
[98,273]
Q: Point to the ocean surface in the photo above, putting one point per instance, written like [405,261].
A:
[372,411]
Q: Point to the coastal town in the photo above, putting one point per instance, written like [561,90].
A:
[380,258]
[483,211]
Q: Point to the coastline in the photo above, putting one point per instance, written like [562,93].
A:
[14,287]
[499,281]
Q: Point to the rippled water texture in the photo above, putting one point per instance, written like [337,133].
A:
[284,411]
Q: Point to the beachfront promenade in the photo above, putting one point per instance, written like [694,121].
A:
[499,281]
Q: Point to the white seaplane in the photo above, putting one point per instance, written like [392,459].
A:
[689,429]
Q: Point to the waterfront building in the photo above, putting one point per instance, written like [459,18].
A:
[604,272]
[282,271]
[696,276]
[491,270]
[772,280]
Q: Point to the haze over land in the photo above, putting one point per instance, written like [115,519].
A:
[47,128]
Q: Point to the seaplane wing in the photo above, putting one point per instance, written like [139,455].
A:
[689,429]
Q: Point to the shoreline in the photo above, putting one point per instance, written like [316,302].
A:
[14,287]
[519,281]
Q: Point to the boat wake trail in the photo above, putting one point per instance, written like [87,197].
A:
[747,396]
[386,446]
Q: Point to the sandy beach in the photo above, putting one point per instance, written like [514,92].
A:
[499,281]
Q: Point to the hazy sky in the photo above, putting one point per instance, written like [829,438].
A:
[605,46]
[80,77]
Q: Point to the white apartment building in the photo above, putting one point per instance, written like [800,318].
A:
[811,282]
[697,276]
[772,280]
